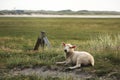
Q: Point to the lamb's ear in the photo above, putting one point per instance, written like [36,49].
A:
[63,44]
[73,47]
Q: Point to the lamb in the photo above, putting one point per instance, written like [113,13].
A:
[78,58]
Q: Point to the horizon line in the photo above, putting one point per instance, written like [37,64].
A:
[58,10]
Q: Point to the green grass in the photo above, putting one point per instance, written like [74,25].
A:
[57,28]
[100,37]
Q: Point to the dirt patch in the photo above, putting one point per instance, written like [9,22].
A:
[53,71]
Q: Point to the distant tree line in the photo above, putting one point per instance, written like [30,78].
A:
[62,12]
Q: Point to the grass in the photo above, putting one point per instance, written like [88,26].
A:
[100,37]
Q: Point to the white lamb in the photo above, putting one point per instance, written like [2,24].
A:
[76,57]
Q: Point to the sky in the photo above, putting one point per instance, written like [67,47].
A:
[75,5]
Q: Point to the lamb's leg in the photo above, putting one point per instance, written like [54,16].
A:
[78,64]
[64,62]
[61,62]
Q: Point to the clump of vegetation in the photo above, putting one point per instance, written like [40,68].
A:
[105,41]
[107,45]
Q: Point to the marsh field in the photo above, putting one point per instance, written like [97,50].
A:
[99,36]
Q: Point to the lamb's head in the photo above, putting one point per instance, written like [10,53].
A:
[68,48]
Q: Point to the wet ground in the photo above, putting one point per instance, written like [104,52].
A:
[64,16]
[53,71]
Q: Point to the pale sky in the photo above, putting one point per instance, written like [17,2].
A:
[75,5]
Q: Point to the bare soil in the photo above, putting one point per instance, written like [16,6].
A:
[53,71]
